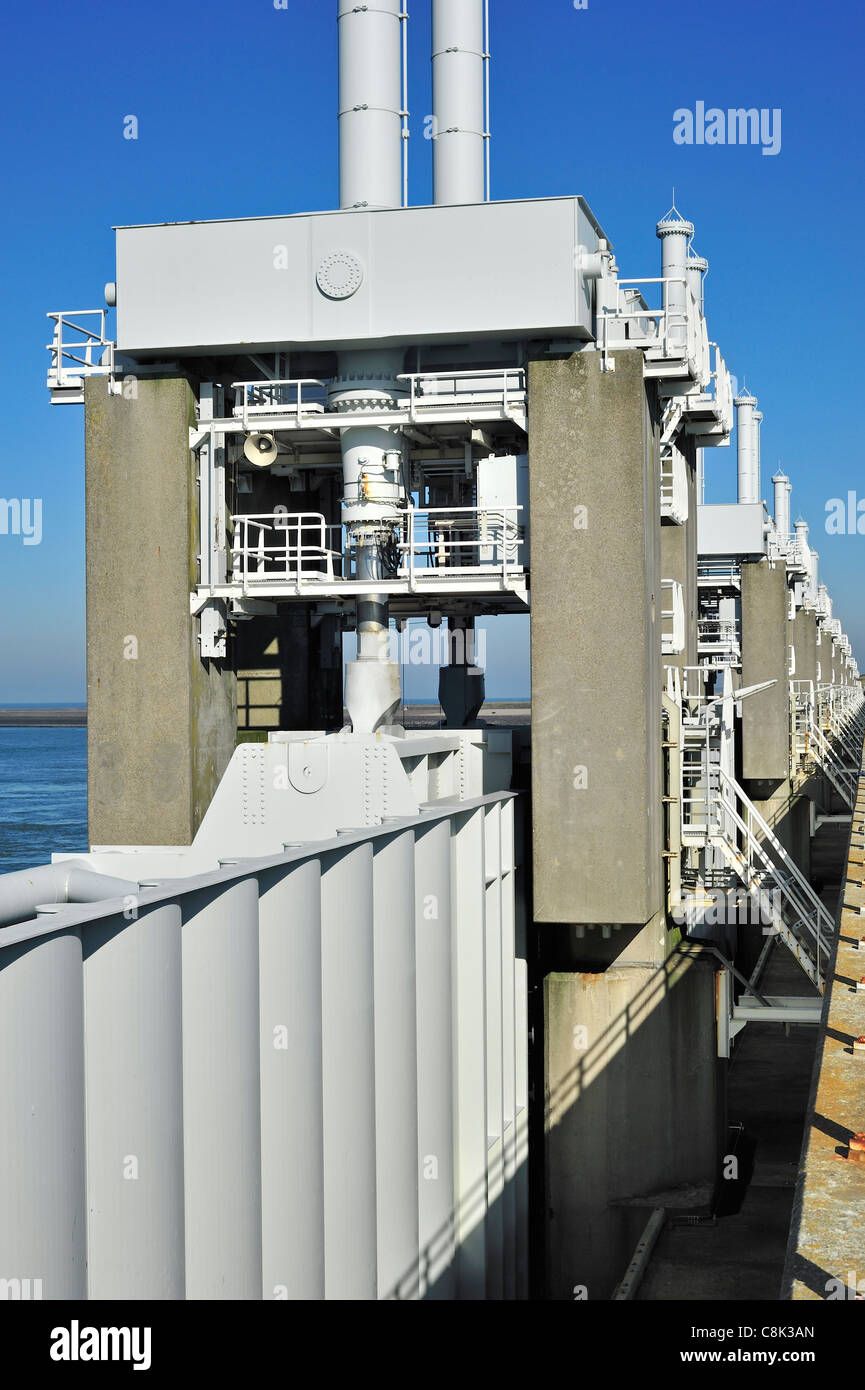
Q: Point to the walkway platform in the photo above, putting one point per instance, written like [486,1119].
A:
[826,1252]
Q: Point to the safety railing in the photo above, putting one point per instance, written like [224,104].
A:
[668,334]
[297,397]
[461,541]
[725,573]
[295,402]
[719,637]
[764,865]
[79,348]
[431,391]
[299,547]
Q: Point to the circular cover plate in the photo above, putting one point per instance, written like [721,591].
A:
[339,275]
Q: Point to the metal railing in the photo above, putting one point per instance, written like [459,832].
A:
[501,387]
[726,573]
[719,637]
[500,391]
[300,548]
[827,728]
[79,348]
[763,864]
[297,397]
[461,541]
[674,336]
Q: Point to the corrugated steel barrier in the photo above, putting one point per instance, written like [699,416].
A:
[295,1077]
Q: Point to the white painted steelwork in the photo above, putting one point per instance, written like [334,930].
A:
[672,618]
[459,98]
[746,444]
[674,486]
[300,1075]
[674,233]
[79,348]
[289,552]
[783,488]
[370,104]
[478,396]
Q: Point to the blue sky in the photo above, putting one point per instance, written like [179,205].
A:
[236,111]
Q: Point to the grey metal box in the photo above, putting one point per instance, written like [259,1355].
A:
[731,528]
[426,274]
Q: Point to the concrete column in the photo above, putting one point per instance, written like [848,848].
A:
[765,656]
[766,637]
[805,645]
[634,1105]
[161,722]
[596,642]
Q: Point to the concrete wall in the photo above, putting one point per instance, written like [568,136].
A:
[805,645]
[596,642]
[161,722]
[634,1112]
[765,656]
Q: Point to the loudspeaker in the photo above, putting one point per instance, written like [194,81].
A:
[261,450]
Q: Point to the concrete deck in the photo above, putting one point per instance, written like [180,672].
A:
[826,1252]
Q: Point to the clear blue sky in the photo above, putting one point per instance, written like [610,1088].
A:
[236,110]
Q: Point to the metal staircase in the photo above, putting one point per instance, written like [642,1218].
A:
[785,897]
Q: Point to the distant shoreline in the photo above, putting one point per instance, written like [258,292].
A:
[36,717]
[66,717]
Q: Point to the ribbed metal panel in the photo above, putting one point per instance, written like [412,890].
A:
[299,1077]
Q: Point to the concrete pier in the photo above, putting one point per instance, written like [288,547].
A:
[161,721]
[596,646]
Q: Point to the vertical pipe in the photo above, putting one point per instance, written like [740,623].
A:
[370,104]
[674,233]
[697,266]
[487,132]
[134,1086]
[782,486]
[746,447]
[459,121]
[404,132]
